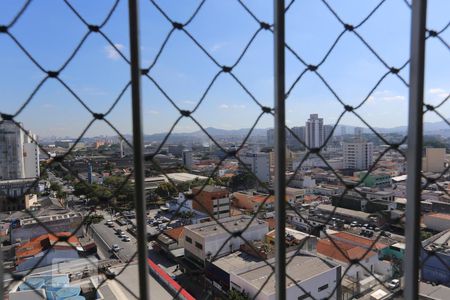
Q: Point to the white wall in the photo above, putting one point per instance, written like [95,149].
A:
[213,243]
[310,285]
[31,160]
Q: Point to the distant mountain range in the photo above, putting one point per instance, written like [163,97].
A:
[429,128]
[440,127]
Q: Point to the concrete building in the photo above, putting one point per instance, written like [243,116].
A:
[16,188]
[314,132]
[270,137]
[210,240]
[19,153]
[30,228]
[31,160]
[213,200]
[437,221]
[434,160]
[314,278]
[300,133]
[357,155]
[327,129]
[187,159]
[258,163]
[435,259]
[375,179]
[346,248]
[11,151]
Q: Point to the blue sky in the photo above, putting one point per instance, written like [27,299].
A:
[50,31]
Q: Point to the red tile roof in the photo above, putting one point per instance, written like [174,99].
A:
[352,252]
[174,233]
[43,242]
[357,240]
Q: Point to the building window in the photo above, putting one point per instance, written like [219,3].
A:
[323,287]
[188,239]
[198,245]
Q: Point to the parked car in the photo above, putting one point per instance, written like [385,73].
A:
[386,234]
[109,223]
[115,248]
[126,239]
[394,283]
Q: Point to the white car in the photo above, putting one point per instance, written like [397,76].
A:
[394,283]
[126,239]
[115,248]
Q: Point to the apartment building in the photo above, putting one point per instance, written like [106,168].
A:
[357,155]
[212,200]
[208,240]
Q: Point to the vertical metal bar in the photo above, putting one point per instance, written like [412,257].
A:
[138,149]
[414,155]
[280,150]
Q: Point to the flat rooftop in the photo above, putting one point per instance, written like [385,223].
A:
[232,224]
[343,211]
[302,267]
[236,261]
[185,177]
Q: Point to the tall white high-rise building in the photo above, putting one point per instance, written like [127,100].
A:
[270,137]
[358,155]
[11,151]
[187,159]
[314,133]
[258,163]
[19,155]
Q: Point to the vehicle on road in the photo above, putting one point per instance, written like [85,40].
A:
[109,223]
[126,239]
[394,283]
[115,248]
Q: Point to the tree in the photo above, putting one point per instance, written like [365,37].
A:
[165,190]
[425,235]
[236,295]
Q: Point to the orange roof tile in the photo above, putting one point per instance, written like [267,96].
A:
[356,239]
[174,233]
[440,216]
[329,249]
[43,242]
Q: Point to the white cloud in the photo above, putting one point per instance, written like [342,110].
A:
[436,91]
[232,106]
[385,95]
[152,112]
[112,53]
[217,46]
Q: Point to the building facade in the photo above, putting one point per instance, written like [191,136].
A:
[11,151]
[357,155]
[187,159]
[213,200]
[258,163]
[314,131]
[210,240]
[434,160]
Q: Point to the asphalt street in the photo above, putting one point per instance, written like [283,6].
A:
[127,249]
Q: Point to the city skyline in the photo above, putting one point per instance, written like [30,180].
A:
[98,73]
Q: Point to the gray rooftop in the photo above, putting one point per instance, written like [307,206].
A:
[232,224]
[235,261]
[433,292]
[343,211]
[302,267]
